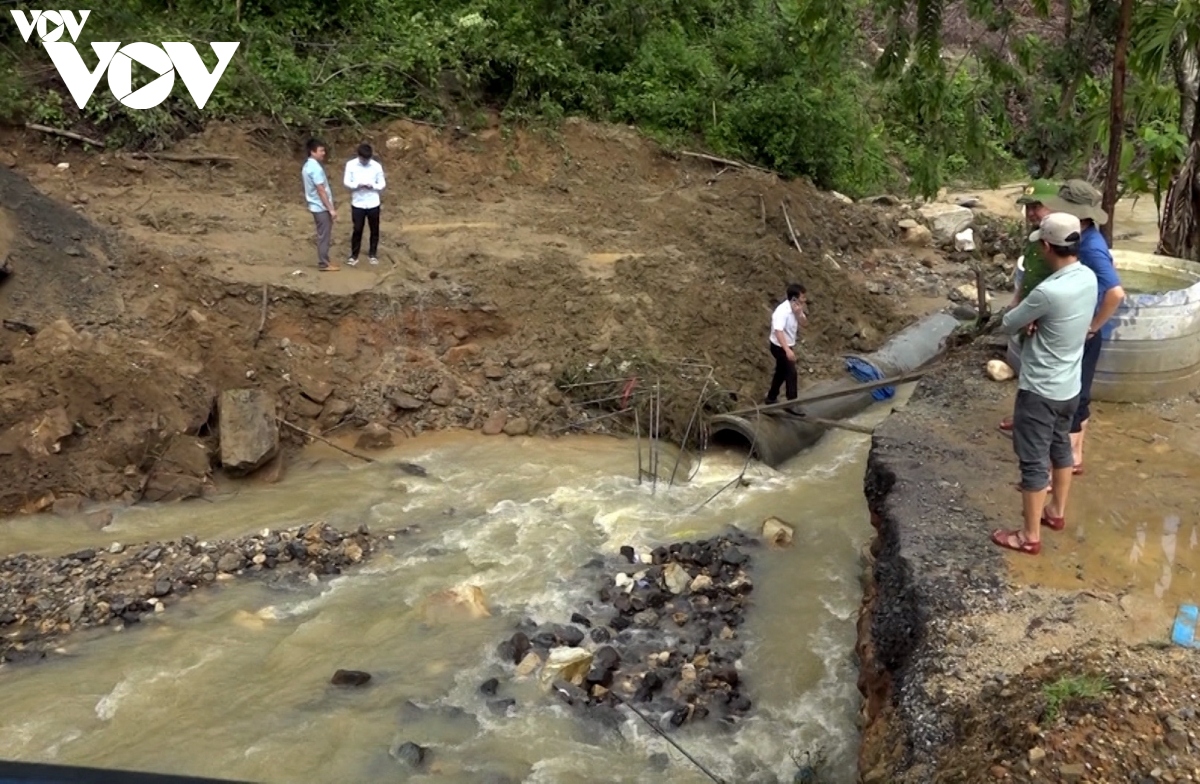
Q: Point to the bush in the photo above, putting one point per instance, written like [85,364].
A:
[774,82]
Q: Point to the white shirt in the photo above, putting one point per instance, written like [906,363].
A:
[357,174]
[784,320]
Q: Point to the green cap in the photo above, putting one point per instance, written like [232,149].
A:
[1079,198]
[1038,192]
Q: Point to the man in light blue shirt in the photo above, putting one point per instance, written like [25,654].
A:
[1057,316]
[320,202]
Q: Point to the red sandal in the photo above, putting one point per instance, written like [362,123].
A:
[1053,523]
[1015,541]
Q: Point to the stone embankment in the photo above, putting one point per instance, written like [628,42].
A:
[662,635]
[44,599]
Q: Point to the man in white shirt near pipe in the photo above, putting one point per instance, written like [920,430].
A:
[364,178]
[786,321]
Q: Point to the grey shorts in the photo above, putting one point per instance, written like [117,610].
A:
[1042,437]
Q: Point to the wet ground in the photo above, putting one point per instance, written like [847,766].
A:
[1135,221]
[982,616]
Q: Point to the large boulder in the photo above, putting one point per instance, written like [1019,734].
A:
[248,428]
[946,220]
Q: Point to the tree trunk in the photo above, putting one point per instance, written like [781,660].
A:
[1187,82]
[1179,231]
[1116,117]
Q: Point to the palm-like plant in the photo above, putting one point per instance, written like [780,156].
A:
[1167,36]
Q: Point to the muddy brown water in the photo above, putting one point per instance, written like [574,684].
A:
[233,682]
[1140,282]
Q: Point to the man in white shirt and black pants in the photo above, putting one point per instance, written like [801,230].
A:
[364,178]
[786,321]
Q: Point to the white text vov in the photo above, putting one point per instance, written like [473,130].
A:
[165,59]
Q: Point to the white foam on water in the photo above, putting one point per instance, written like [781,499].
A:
[53,750]
[823,715]
[17,736]
[306,606]
[135,683]
[525,553]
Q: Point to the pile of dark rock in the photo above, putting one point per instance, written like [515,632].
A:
[44,598]
[662,636]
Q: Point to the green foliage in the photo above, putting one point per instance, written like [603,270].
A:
[1153,161]
[1081,687]
[947,125]
[772,82]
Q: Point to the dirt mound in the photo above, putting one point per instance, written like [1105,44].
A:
[58,248]
[1098,714]
[510,262]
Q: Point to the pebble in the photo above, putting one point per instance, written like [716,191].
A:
[350,678]
[666,634]
[410,753]
[116,585]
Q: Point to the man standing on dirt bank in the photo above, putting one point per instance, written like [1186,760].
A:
[1035,267]
[786,321]
[364,178]
[1079,198]
[320,202]
[1057,316]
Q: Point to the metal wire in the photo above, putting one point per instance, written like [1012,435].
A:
[669,739]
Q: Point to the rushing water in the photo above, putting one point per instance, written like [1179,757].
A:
[233,681]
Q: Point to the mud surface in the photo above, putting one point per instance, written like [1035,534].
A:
[965,645]
[510,263]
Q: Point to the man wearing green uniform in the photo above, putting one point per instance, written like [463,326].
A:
[1036,268]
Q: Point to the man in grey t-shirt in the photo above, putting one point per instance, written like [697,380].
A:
[1057,315]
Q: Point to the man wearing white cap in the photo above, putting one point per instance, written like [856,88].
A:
[1057,317]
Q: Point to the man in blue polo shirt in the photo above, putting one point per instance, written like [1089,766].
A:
[1079,198]
[319,199]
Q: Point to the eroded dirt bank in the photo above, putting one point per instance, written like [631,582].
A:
[510,264]
[978,665]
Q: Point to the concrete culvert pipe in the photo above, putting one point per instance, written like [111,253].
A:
[775,437]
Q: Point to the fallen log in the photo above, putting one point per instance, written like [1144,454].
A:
[835,393]
[186,157]
[791,231]
[726,161]
[324,440]
[79,137]
[838,425]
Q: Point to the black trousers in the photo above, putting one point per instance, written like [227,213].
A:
[1091,355]
[371,216]
[785,372]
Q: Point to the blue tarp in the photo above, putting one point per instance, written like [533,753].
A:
[864,373]
[1184,631]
